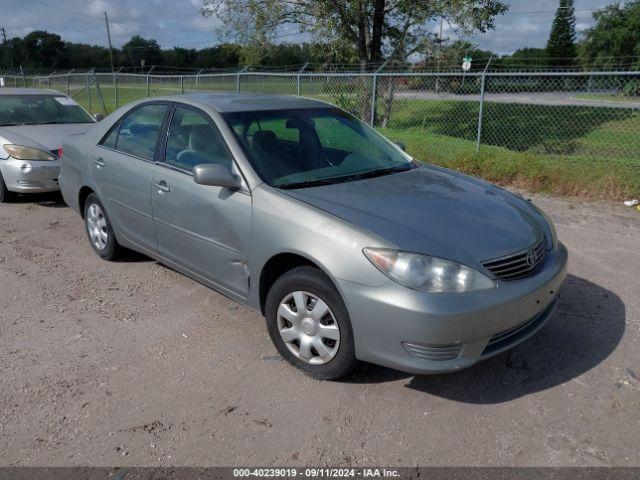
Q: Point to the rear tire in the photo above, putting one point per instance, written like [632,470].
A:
[5,195]
[99,230]
[319,341]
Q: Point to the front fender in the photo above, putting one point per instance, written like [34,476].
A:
[281,224]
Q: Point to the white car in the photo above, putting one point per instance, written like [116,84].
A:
[33,123]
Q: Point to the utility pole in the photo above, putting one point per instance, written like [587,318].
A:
[106,21]
[6,47]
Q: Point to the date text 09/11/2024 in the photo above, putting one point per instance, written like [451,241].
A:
[316,472]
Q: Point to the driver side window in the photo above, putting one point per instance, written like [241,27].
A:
[193,140]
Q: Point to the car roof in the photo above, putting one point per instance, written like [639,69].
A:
[28,91]
[244,102]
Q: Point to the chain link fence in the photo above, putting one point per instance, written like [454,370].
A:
[573,115]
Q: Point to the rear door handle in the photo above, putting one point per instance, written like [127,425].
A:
[99,162]
[162,187]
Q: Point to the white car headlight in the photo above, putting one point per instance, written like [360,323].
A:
[426,273]
[20,152]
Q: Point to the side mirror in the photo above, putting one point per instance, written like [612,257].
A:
[215,175]
[401,146]
[98,116]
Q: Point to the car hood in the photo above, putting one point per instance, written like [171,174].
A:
[433,211]
[46,137]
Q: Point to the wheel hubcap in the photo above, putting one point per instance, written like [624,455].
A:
[308,328]
[97,226]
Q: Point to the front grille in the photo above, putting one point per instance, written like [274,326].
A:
[433,352]
[518,265]
[506,338]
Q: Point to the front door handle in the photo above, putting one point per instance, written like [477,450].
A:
[99,162]
[162,187]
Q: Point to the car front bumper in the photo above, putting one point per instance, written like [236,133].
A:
[26,176]
[422,333]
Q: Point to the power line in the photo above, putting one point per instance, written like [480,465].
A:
[55,7]
[523,12]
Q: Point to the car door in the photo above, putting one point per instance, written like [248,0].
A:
[203,229]
[123,165]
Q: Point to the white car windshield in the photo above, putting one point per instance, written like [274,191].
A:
[298,148]
[40,110]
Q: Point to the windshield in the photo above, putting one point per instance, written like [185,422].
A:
[306,147]
[40,110]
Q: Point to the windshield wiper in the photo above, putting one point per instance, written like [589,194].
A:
[381,172]
[309,183]
[347,178]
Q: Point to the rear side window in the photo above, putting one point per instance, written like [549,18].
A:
[138,132]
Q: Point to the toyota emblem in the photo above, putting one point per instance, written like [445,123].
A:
[531,258]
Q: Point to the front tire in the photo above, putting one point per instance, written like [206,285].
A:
[99,230]
[309,324]
[5,195]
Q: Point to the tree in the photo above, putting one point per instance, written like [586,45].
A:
[138,49]
[561,46]
[179,57]
[377,29]
[225,55]
[526,57]
[44,49]
[614,41]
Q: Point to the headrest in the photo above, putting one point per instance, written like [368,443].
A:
[265,139]
[200,137]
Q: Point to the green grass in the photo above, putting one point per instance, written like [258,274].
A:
[579,150]
[623,98]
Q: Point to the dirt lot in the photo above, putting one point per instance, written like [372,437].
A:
[130,363]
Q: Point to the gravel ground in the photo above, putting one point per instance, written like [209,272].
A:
[130,363]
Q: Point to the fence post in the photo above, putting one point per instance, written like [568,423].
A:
[49,82]
[89,93]
[115,90]
[181,83]
[68,86]
[148,81]
[480,113]
[24,79]
[198,76]
[99,93]
[298,78]
[374,88]
[240,72]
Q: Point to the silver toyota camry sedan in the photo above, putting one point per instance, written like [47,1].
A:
[351,249]
[33,123]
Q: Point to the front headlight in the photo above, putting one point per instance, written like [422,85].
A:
[20,152]
[427,274]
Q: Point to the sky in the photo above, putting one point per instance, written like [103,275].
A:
[178,22]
